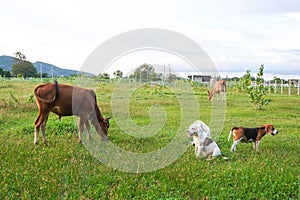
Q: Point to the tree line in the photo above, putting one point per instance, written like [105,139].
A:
[143,73]
[23,69]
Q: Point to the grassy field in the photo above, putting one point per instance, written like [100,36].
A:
[66,170]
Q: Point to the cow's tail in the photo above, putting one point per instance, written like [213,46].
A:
[47,100]
[56,90]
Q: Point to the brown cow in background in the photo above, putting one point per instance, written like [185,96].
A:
[219,86]
[67,100]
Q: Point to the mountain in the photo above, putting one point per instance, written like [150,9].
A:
[6,63]
[47,68]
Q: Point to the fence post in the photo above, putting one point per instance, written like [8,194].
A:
[281,90]
[275,86]
[290,87]
[298,86]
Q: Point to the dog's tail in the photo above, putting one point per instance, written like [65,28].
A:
[232,132]
[222,156]
[229,136]
[225,158]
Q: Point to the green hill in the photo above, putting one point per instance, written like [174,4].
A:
[6,63]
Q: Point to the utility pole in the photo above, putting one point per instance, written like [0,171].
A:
[140,75]
[298,86]
[170,78]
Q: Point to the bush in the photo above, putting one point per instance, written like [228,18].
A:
[258,91]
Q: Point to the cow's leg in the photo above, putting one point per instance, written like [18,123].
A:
[81,122]
[40,122]
[88,128]
[36,134]
[37,129]
[223,96]
[43,126]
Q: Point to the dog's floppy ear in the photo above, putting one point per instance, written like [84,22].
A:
[200,131]
[268,128]
[197,131]
[263,128]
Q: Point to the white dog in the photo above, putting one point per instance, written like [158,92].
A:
[202,141]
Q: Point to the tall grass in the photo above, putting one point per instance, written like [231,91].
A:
[65,169]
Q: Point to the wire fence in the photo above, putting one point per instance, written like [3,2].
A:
[290,87]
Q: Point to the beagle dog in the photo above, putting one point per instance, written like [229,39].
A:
[202,141]
[242,134]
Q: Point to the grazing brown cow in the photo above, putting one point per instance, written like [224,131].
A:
[219,86]
[67,100]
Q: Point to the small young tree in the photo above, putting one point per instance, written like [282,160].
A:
[257,93]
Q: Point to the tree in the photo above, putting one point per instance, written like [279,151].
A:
[143,73]
[277,80]
[118,74]
[25,68]
[104,76]
[258,91]
[22,66]
[45,75]
[156,77]
[4,73]
[19,56]
[172,77]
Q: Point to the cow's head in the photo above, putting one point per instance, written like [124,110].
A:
[105,125]
[209,95]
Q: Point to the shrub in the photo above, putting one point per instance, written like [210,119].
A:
[258,91]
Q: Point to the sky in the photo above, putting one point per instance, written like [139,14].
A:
[236,34]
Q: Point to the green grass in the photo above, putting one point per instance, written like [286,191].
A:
[65,169]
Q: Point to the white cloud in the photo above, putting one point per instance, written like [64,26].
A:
[236,34]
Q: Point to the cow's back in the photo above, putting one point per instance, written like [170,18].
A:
[64,100]
[73,101]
